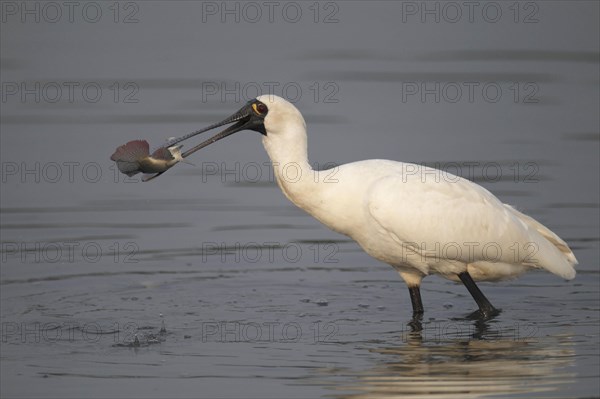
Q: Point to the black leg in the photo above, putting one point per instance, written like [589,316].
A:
[417,305]
[415,298]
[485,307]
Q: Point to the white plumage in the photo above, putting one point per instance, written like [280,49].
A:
[419,220]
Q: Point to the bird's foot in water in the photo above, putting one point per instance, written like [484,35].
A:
[415,323]
[484,314]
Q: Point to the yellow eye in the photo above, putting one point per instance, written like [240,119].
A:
[259,108]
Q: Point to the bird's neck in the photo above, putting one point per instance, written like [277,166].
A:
[307,188]
[293,172]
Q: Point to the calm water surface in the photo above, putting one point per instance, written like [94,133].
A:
[207,282]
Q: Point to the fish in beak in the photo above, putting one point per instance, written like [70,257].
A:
[134,157]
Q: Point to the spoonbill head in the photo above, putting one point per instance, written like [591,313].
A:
[404,214]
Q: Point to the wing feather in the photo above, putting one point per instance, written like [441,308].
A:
[452,218]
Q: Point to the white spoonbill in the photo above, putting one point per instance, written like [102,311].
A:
[414,218]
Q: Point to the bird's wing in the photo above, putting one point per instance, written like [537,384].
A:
[442,212]
[447,214]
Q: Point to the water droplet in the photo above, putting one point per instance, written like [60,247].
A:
[322,302]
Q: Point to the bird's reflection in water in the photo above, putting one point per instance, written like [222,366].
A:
[479,363]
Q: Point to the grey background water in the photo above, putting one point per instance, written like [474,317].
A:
[257,298]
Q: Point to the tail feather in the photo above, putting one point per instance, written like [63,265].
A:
[557,248]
